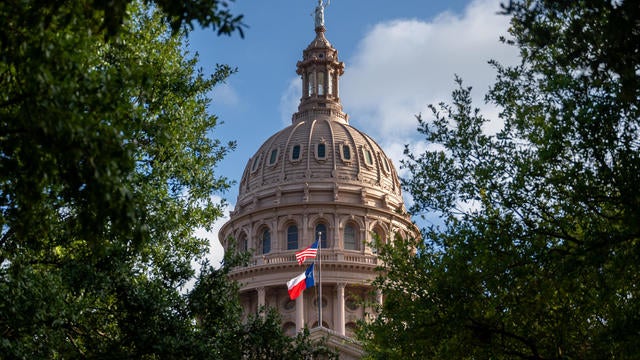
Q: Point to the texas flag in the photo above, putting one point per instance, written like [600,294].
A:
[300,282]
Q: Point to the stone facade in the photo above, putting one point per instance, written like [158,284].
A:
[317,178]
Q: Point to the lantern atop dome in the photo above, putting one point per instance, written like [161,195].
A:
[320,71]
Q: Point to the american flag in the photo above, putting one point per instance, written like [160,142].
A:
[308,253]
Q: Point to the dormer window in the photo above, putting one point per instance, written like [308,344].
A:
[368,158]
[296,152]
[345,153]
[321,151]
[273,158]
[256,161]
[385,163]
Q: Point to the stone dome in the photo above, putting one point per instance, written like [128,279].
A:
[322,152]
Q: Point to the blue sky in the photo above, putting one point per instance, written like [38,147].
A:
[399,57]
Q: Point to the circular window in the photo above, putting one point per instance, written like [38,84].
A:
[324,302]
[289,304]
[351,304]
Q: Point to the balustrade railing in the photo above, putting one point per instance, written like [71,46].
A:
[326,257]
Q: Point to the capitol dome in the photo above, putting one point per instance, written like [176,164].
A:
[320,149]
[324,156]
[319,179]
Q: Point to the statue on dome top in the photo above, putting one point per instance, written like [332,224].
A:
[319,19]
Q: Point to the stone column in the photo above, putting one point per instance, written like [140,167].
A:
[300,313]
[340,313]
[303,233]
[337,239]
[276,239]
[261,297]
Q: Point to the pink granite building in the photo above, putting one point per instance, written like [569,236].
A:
[317,178]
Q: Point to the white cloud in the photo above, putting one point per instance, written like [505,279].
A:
[223,93]
[403,65]
[289,101]
[216,252]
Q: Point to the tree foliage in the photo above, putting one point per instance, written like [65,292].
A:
[107,18]
[107,166]
[260,336]
[538,255]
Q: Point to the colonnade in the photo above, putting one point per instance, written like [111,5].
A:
[338,315]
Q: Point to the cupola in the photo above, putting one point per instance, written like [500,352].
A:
[320,71]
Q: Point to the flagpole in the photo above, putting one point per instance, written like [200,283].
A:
[320,278]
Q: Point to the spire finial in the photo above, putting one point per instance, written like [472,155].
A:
[319,18]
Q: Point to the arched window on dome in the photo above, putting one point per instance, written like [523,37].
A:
[256,161]
[322,229]
[273,157]
[368,158]
[349,237]
[330,83]
[321,151]
[345,152]
[296,152]
[292,237]
[266,241]
[385,163]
